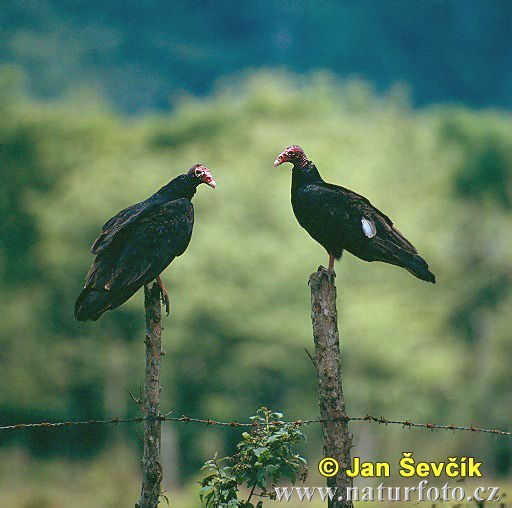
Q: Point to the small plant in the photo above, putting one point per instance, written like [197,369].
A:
[264,456]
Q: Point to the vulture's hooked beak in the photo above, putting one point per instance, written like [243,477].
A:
[280,160]
[207,178]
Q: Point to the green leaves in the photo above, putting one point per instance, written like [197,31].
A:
[264,456]
[219,488]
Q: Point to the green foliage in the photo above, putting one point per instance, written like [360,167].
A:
[483,173]
[264,456]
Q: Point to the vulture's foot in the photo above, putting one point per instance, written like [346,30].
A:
[330,275]
[164,295]
[165,301]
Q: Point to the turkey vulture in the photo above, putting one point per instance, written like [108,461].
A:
[136,245]
[340,219]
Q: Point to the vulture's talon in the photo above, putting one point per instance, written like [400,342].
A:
[330,276]
[164,297]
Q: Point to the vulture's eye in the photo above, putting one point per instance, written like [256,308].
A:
[199,172]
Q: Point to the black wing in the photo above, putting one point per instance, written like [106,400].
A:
[146,241]
[364,221]
[341,219]
[118,225]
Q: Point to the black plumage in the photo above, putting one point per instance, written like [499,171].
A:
[340,219]
[138,243]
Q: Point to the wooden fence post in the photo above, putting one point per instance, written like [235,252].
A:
[336,436]
[151,464]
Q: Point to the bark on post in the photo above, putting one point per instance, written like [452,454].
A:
[152,468]
[336,436]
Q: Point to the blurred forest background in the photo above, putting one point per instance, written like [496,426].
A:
[102,103]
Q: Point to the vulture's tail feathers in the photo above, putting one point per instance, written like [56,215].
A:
[415,264]
[91,304]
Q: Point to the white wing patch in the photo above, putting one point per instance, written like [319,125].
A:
[368,227]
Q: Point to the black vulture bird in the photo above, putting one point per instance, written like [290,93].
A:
[136,245]
[340,219]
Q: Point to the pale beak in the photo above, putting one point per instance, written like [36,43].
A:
[212,184]
[277,162]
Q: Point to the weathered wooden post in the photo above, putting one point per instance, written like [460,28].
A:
[151,464]
[336,436]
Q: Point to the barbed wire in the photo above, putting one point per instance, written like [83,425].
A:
[210,422]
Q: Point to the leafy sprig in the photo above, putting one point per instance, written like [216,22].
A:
[264,456]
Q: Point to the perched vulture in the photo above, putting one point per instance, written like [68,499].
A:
[136,245]
[340,219]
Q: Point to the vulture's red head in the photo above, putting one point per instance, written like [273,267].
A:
[294,154]
[203,175]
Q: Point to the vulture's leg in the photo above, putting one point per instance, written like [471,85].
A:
[331,264]
[165,295]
